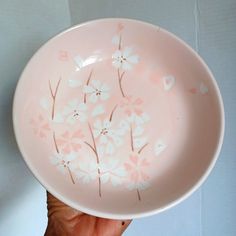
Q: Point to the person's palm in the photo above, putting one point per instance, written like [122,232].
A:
[65,221]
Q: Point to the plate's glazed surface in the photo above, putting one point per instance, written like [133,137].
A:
[118,118]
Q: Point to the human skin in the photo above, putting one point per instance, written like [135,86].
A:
[66,221]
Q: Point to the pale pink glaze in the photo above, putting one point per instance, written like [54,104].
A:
[118,150]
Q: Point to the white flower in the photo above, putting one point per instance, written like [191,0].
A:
[63,162]
[75,111]
[96,90]
[87,170]
[112,171]
[124,60]
[107,136]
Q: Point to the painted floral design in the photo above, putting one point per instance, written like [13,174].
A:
[137,171]
[75,111]
[124,60]
[113,172]
[87,170]
[110,171]
[65,163]
[70,141]
[133,107]
[107,135]
[40,126]
[96,91]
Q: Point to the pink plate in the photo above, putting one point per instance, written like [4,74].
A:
[118,118]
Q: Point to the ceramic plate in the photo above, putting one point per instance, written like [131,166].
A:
[118,118]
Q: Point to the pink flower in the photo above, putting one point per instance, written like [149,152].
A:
[63,55]
[70,142]
[132,105]
[40,126]
[120,27]
[136,169]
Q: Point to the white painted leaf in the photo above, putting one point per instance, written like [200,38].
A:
[79,61]
[169,82]
[159,147]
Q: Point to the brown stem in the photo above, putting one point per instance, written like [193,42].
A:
[120,77]
[112,112]
[54,96]
[138,193]
[87,83]
[71,176]
[56,90]
[90,147]
[119,46]
[141,149]
[50,88]
[131,138]
[55,142]
[94,148]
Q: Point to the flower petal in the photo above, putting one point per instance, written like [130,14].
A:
[134,59]
[82,117]
[96,84]
[88,89]
[58,118]
[138,131]
[105,178]
[103,139]
[98,110]
[82,107]
[139,142]
[98,124]
[93,98]
[61,168]
[127,51]
[109,148]
[117,54]
[105,88]
[117,64]
[104,96]
[126,66]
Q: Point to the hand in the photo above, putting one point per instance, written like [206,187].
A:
[65,221]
